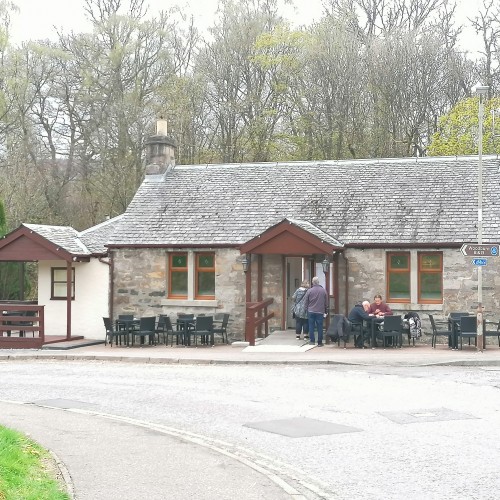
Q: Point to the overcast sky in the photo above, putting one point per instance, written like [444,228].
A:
[37,18]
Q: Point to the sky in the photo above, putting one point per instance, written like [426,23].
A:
[37,18]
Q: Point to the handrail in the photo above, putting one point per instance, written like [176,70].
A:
[22,317]
[256,316]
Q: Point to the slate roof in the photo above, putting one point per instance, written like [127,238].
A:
[88,242]
[367,202]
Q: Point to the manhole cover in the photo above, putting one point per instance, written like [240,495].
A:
[426,415]
[63,403]
[301,427]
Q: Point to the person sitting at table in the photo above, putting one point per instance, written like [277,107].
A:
[380,308]
[359,314]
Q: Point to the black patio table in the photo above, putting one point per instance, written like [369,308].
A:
[183,324]
[129,325]
[373,323]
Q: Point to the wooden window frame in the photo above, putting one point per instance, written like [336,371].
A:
[420,271]
[171,295]
[389,270]
[198,269]
[53,281]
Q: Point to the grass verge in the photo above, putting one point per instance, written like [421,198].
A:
[24,470]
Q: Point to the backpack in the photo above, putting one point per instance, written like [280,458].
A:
[415,325]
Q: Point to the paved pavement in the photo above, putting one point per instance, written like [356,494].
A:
[420,355]
[108,457]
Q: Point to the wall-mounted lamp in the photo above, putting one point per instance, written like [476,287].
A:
[326,264]
[245,262]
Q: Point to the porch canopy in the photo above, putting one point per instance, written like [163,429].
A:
[290,237]
[24,244]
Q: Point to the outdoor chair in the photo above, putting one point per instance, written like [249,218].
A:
[339,329]
[220,326]
[468,329]
[359,334]
[112,334]
[491,333]
[392,329]
[164,328]
[185,326]
[146,329]
[204,329]
[439,332]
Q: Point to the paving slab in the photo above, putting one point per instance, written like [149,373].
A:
[420,355]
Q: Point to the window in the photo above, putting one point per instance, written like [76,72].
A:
[58,283]
[178,275]
[430,278]
[205,276]
[398,277]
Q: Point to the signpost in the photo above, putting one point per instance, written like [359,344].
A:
[483,250]
[479,262]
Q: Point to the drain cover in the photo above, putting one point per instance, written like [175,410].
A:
[426,415]
[63,403]
[301,427]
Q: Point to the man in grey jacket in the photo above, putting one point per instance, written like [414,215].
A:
[316,303]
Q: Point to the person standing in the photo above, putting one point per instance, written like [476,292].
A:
[316,300]
[300,311]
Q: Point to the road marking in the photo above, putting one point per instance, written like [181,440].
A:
[281,474]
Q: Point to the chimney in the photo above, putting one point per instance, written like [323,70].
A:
[160,150]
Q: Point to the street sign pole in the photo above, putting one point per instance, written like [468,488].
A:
[481,90]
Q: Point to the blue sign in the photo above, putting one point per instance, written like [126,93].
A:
[479,262]
[494,251]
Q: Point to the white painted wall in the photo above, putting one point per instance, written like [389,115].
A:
[89,306]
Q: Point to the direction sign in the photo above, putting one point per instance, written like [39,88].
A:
[484,250]
[479,262]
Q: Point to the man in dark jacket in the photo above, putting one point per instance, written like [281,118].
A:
[316,303]
[358,315]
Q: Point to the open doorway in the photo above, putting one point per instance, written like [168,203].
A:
[294,276]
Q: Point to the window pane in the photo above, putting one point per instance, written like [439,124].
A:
[205,261]
[60,275]
[59,289]
[399,261]
[399,285]
[179,260]
[206,284]
[430,286]
[179,282]
[431,261]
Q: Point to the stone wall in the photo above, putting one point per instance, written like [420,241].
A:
[140,286]
[367,277]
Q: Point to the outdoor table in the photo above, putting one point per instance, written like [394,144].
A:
[374,322]
[129,325]
[183,324]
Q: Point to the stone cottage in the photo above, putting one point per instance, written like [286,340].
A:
[217,238]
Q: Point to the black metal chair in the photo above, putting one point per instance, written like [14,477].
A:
[454,320]
[185,326]
[146,329]
[166,329]
[491,333]
[468,329]
[360,335]
[220,326]
[392,329]
[163,326]
[439,332]
[339,329]
[204,329]
[112,333]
